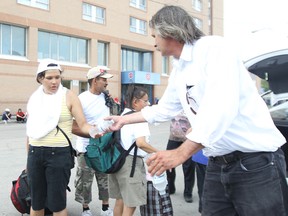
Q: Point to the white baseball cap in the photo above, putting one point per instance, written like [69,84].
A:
[99,71]
[48,64]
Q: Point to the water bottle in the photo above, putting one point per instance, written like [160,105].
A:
[160,183]
[100,127]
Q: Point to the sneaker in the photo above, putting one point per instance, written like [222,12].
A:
[86,213]
[108,212]
[188,199]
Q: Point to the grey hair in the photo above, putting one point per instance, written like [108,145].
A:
[174,22]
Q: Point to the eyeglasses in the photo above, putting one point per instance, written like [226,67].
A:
[192,103]
[179,121]
[145,101]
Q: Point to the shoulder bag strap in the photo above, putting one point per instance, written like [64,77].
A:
[72,150]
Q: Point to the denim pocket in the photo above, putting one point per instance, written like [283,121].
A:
[258,162]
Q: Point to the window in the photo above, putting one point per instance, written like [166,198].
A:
[141,4]
[165,65]
[67,83]
[62,47]
[93,13]
[197,5]
[198,23]
[43,4]
[136,60]
[12,40]
[83,86]
[102,53]
[138,26]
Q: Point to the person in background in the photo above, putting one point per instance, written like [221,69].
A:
[20,116]
[6,116]
[94,108]
[130,189]
[178,128]
[157,205]
[50,110]
[201,162]
[246,172]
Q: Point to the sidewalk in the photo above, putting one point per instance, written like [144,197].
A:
[13,161]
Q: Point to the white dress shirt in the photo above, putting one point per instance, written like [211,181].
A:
[223,106]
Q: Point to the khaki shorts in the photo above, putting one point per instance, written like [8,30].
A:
[133,190]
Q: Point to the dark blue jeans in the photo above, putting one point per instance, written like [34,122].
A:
[253,185]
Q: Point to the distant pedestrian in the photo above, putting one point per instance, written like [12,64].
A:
[6,116]
[179,125]
[20,116]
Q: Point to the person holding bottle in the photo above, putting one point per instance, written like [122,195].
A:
[158,198]
[246,172]
[131,191]
[95,107]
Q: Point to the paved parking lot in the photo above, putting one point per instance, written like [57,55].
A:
[13,161]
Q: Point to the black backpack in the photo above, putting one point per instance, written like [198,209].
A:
[106,154]
[20,194]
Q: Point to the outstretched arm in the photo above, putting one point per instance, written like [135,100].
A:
[120,121]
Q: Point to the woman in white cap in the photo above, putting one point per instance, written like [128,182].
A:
[50,111]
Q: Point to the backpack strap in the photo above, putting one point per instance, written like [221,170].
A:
[134,160]
[135,151]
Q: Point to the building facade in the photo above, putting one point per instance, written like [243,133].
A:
[85,33]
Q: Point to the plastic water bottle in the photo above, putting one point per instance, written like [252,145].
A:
[100,127]
[160,183]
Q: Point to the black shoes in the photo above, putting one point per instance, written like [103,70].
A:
[188,199]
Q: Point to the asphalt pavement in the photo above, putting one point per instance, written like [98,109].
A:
[13,160]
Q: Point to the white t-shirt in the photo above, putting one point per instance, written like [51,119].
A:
[94,109]
[130,132]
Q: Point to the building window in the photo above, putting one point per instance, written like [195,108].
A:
[197,5]
[138,26]
[140,4]
[12,40]
[198,23]
[83,86]
[136,60]
[93,13]
[67,83]
[165,65]
[43,4]
[62,47]
[102,49]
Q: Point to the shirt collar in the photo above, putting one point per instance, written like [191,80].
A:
[186,56]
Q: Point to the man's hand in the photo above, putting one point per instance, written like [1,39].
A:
[118,122]
[162,161]
[165,160]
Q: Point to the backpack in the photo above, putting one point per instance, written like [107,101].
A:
[106,154]
[20,194]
